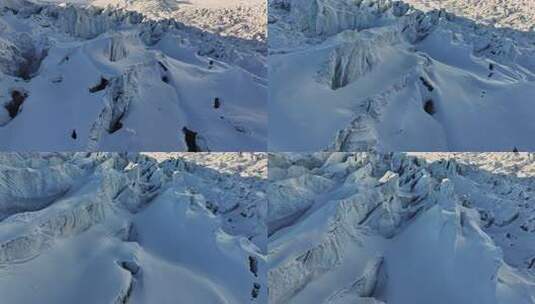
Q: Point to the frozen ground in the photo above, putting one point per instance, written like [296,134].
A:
[371,228]
[127,228]
[83,78]
[380,75]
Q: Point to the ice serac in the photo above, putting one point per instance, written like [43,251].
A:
[106,50]
[361,134]
[37,199]
[89,22]
[21,55]
[417,26]
[384,208]
[358,54]
[517,14]
[347,47]
[12,60]
[22,7]
[363,289]
[454,240]
[113,227]
[349,62]
[298,193]
[323,17]
[47,230]
[359,240]
[117,48]
[239,18]
[17,194]
[358,135]
[119,95]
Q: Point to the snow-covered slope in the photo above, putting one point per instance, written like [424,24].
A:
[380,75]
[373,228]
[78,78]
[118,228]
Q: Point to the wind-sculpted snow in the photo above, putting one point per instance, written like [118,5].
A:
[381,75]
[84,78]
[393,228]
[137,229]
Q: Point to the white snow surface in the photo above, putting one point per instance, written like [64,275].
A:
[381,75]
[127,228]
[393,228]
[84,78]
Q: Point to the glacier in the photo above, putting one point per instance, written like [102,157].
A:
[82,77]
[382,75]
[323,227]
[401,228]
[135,228]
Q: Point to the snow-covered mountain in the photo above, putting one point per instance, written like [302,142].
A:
[380,75]
[392,228]
[77,77]
[126,228]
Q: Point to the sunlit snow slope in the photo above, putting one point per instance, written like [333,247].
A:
[371,228]
[380,75]
[115,228]
[242,18]
[77,78]
[519,14]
